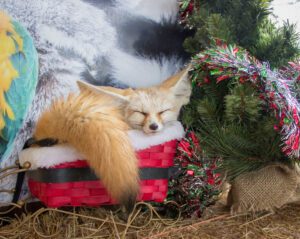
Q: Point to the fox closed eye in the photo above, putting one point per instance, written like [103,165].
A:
[161,112]
[140,112]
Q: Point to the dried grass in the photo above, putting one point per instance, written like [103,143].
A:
[94,223]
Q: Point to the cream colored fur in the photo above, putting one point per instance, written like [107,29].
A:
[96,121]
[158,105]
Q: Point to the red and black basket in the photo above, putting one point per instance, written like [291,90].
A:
[74,183]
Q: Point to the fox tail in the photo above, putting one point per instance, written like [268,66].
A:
[100,134]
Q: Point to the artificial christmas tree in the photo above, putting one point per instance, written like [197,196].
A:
[245,23]
[242,109]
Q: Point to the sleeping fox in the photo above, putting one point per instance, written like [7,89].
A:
[96,122]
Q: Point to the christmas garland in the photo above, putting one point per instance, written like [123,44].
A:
[186,8]
[292,73]
[196,185]
[276,88]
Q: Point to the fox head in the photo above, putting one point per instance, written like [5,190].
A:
[150,109]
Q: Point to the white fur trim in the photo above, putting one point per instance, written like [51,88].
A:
[140,140]
[46,157]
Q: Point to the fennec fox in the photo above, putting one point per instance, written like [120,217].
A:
[96,122]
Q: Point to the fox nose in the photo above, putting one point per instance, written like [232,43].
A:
[153,126]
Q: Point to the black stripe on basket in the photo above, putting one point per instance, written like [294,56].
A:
[63,175]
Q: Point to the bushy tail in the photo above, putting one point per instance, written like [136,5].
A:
[94,126]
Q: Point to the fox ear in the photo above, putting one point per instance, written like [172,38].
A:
[180,85]
[177,78]
[119,94]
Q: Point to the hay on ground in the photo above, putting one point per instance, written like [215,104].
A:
[146,223]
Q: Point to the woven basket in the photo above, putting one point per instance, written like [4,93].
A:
[74,184]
